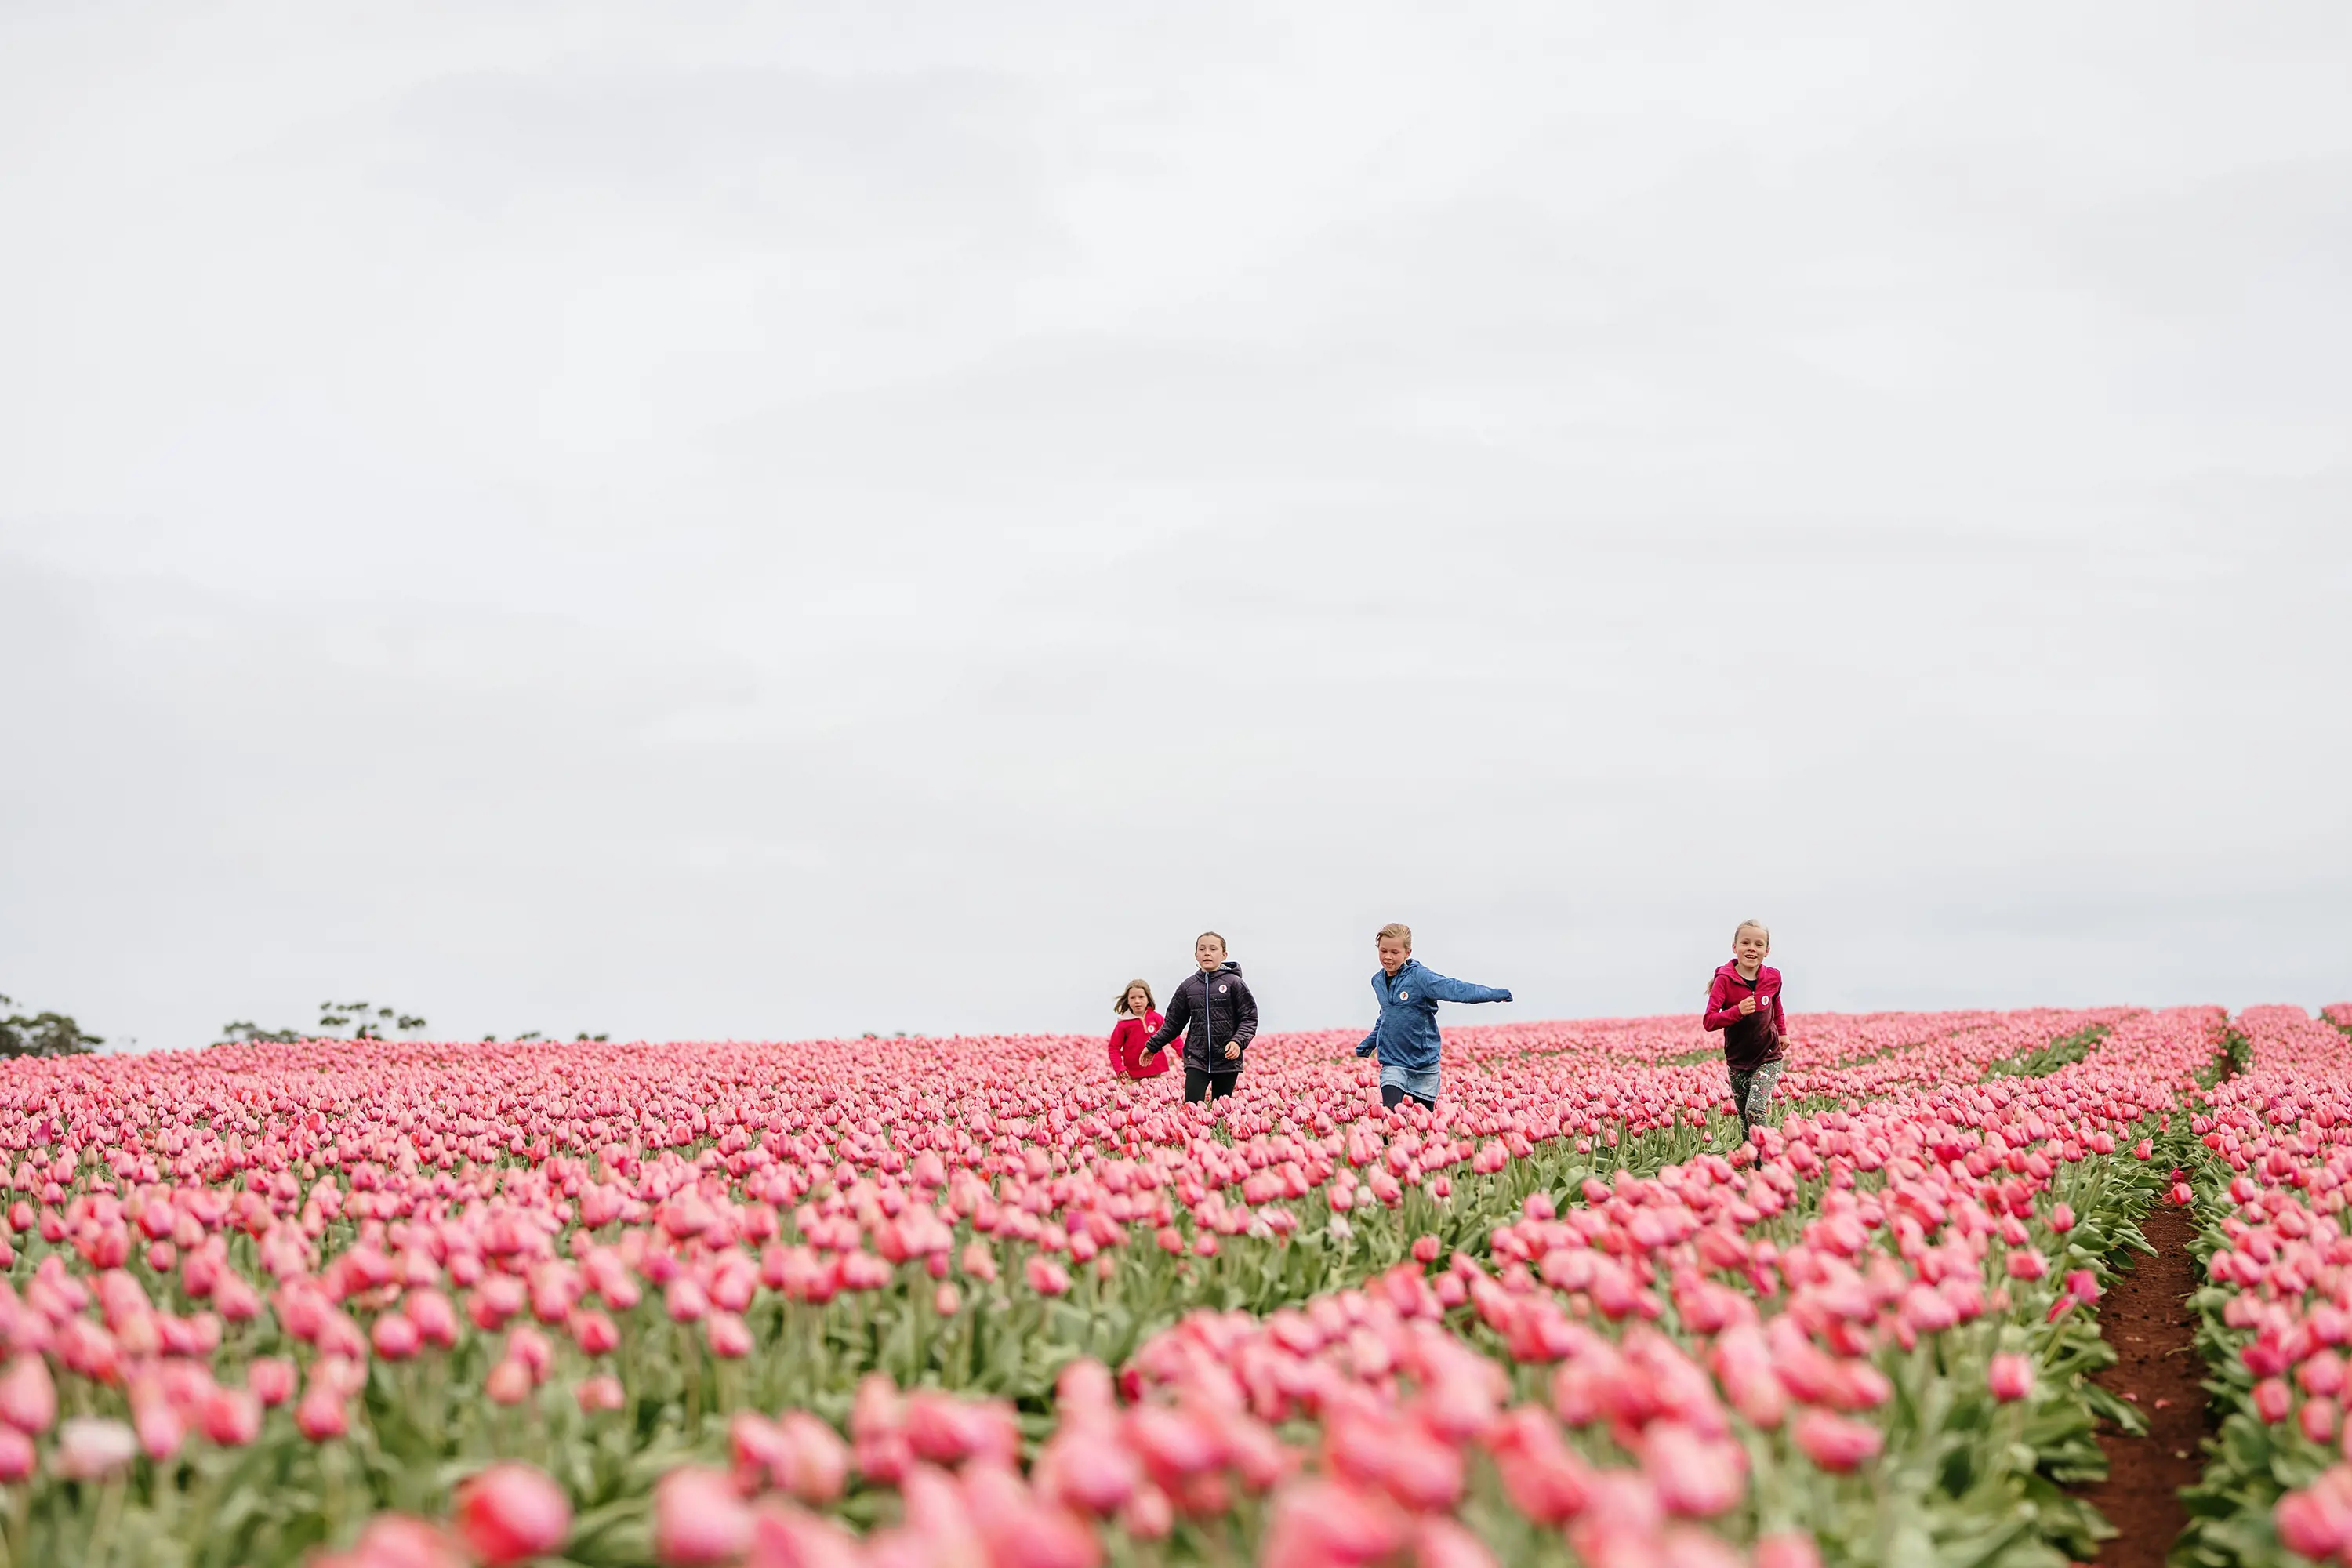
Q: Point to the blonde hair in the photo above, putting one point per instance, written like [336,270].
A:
[1127,990]
[1398,930]
[1210,936]
[1759,925]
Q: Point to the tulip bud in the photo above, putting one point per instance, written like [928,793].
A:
[28,1398]
[1439,1542]
[319,1415]
[699,1521]
[231,1418]
[1788,1551]
[2010,1377]
[602,1392]
[398,1540]
[395,1337]
[1148,1515]
[816,1465]
[511,1512]
[507,1382]
[91,1449]
[728,1337]
[271,1379]
[1835,1443]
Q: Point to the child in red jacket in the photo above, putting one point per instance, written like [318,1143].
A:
[1137,1020]
[1744,1002]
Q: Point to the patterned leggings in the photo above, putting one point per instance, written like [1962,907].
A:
[1752,1092]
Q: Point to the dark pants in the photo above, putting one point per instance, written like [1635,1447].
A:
[1200,1086]
[1393,1095]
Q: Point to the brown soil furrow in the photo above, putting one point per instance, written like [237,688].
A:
[2146,1320]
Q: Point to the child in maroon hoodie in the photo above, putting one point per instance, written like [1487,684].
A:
[1744,1002]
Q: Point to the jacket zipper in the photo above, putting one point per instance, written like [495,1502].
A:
[1208,1021]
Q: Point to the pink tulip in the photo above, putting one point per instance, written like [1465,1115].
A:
[1694,1476]
[1833,1442]
[819,1462]
[394,1337]
[28,1399]
[727,1336]
[319,1415]
[601,1392]
[92,1449]
[1321,1524]
[1148,1515]
[1046,1277]
[2010,1377]
[1787,1551]
[2317,1522]
[699,1518]
[1441,1543]
[2272,1399]
[785,1537]
[17,1455]
[508,1381]
[271,1379]
[231,1418]
[512,1511]
[398,1540]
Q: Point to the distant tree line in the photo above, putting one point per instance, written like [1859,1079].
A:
[56,1034]
[365,1020]
[43,1034]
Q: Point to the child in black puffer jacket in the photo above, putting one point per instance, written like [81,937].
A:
[1213,1010]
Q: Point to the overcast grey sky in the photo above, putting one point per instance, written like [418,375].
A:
[778,520]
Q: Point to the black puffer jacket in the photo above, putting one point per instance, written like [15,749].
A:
[1211,1009]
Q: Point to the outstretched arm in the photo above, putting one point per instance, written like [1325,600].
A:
[1446,990]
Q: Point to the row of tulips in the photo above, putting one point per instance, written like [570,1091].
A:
[2272,1161]
[255,1295]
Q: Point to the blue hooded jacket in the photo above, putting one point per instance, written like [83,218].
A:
[1406,1035]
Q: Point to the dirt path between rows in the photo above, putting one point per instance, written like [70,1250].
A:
[2145,1318]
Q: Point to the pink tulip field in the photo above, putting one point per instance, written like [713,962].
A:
[892,1302]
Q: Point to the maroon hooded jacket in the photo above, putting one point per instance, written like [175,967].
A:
[1751,1041]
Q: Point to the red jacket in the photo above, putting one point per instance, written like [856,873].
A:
[1749,1041]
[1127,1057]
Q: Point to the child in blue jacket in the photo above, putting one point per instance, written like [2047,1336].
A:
[1406,1035]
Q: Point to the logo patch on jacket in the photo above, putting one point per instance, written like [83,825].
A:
[1404,995]
[1221,991]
